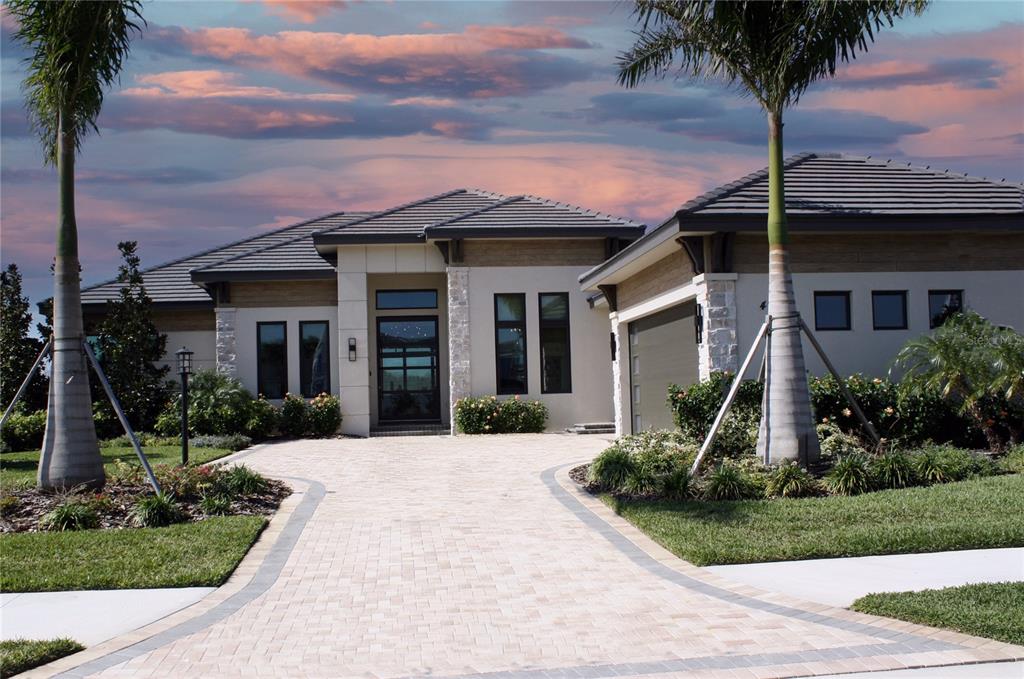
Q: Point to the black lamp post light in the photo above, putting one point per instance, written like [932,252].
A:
[184,369]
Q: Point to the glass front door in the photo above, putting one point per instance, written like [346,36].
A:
[408,381]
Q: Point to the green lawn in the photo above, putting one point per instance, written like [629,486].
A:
[17,468]
[20,655]
[182,555]
[980,513]
[994,611]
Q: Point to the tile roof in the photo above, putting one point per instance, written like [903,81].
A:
[171,282]
[841,184]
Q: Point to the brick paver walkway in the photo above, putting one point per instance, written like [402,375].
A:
[455,557]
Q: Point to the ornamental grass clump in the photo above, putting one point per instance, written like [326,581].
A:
[156,511]
[791,480]
[70,515]
[611,468]
[851,475]
[892,469]
[728,481]
[215,505]
[240,480]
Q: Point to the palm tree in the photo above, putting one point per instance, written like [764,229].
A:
[773,50]
[77,48]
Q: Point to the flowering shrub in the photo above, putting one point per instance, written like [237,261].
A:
[488,415]
[324,415]
[262,419]
[294,419]
[24,431]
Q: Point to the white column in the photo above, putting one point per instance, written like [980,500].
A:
[620,391]
[459,374]
[227,342]
[353,315]
[719,352]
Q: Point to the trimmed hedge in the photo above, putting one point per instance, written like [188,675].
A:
[488,415]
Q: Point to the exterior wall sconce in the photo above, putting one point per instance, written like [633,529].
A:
[352,348]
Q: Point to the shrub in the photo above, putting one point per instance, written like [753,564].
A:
[324,415]
[70,515]
[892,469]
[694,410]
[186,481]
[516,416]
[262,419]
[728,481]
[1013,461]
[790,480]
[145,440]
[218,404]
[24,431]
[611,468]
[240,480]
[850,475]
[676,484]
[835,443]
[944,463]
[227,442]
[215,505]
[488,415]
[155,511]
[294,419]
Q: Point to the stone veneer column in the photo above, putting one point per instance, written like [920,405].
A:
[227,342]
[620,400]
[720,350]
[459,375]
[353,322]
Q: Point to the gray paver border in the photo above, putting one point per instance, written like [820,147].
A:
[266,575]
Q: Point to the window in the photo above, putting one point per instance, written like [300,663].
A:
[555,355]
[272,359]
[510,342]
[314,358]
[407,299]
[832,310]
[889,309]
[942,304]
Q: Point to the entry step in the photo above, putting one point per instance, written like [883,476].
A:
[592,428]
[411,430]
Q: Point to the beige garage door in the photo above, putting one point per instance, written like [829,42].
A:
[662,351]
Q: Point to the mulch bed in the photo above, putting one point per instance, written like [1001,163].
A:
[579,476]
[115,502]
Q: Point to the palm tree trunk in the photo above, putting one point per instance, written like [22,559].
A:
[787,427]
[71,454]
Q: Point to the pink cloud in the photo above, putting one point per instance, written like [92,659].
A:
[303,11]
[481,61]
[216,84]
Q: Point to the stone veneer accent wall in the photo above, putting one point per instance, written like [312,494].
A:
[227,342]
[459,377]
[719,351]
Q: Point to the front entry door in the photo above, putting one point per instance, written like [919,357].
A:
[408,380]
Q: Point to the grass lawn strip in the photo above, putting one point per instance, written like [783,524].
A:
[974,514]
[199,554]
[991,610]
[18,468]
[20,655]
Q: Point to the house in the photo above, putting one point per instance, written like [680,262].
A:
[880,252]
[403,311]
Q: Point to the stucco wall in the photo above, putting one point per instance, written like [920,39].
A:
[245,327]
[202,342]
[994,294]
[591,397]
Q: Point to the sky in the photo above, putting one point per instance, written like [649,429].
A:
[234,118]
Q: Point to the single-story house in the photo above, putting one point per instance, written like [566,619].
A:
[403,311]
[880,252]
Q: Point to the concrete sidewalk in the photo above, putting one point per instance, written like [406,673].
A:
[89,617]
[838,582]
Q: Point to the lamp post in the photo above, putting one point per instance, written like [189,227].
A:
[184,369]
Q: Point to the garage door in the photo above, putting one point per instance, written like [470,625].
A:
[662,351]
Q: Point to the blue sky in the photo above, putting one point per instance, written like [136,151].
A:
[236,117]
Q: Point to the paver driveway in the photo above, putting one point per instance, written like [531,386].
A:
[455,557]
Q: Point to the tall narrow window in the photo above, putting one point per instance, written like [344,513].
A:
[272,359]
[889,309]
[832,310]
[314,358]
[555,358]
[942,304]
[510,342]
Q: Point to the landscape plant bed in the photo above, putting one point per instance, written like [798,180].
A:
[114,505]
[201,554]
[979,513]
[991,610]
[21,655]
